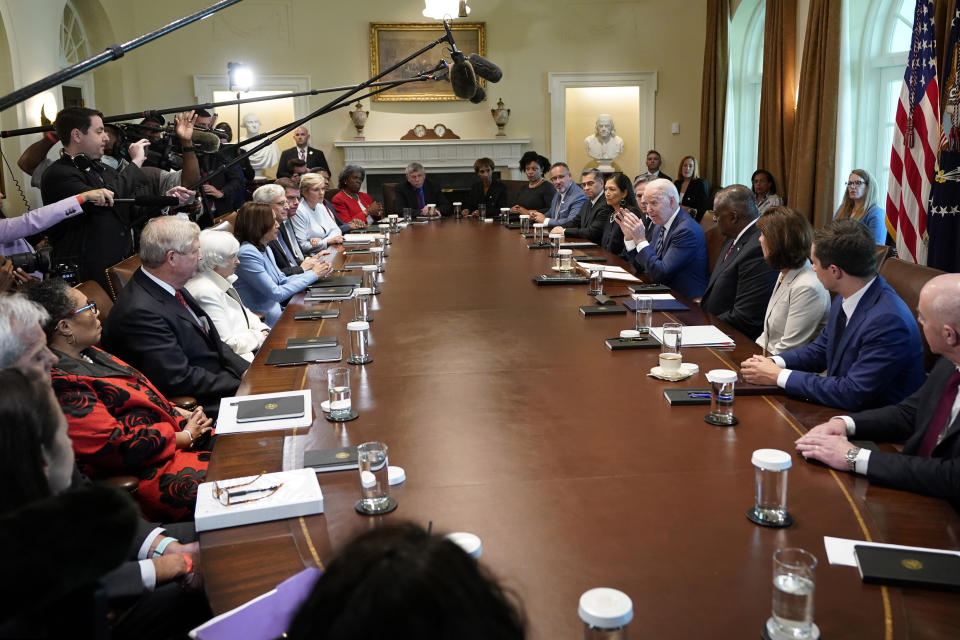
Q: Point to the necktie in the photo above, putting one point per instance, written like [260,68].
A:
[236,296]
[661,241]
[727,254]
[940,416]
[290,237]
[420,201]
[303,154]
[841,327]
[183,301]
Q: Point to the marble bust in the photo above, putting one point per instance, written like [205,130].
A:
[265,158]
[604,145]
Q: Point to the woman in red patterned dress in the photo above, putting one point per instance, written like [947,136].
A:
[117,420]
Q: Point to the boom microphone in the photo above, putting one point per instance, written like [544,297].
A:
[208,141]
[479,95]
[462,77]
[150,201]
[484,68]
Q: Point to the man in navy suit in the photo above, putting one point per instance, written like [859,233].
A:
[676,254]
[416,192]
[741,282]
[157,326]
[926,422]
[870,348]
[567,200]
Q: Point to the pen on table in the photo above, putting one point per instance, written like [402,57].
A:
[698,395]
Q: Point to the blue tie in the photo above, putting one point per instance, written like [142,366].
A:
[420,200]
[660,242]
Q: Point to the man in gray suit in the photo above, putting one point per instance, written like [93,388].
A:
[566,201]
[593,214]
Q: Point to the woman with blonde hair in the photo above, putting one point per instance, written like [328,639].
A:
[692,188]
[860,203]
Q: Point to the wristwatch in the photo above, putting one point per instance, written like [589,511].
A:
[852,458]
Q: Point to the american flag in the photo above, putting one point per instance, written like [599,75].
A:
[916,141]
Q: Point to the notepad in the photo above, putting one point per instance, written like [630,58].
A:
[270,409]
[661,302]
[699,336]
[294,357]
[227,416]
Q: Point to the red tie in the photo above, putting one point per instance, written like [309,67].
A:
[183,301]
[939,421]
[303,154]
[728,251]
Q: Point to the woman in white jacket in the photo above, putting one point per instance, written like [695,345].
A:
[241,329]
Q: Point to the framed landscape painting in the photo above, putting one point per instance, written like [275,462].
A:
[391,42]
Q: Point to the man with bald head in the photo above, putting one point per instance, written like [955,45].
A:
[926,422]
[676,253]
[302,151]
[741,282]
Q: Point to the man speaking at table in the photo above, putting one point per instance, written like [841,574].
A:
[870,348]
[926,422]
[566,201]
[416,192]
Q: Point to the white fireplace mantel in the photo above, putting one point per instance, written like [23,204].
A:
[457,156]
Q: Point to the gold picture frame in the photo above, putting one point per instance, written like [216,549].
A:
[391,42]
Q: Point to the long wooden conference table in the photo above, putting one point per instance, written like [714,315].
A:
[513,421]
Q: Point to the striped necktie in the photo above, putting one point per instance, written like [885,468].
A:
[661,241]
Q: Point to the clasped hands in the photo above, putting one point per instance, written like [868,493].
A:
[631,225]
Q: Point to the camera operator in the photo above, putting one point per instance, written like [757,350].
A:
[218,193]
[14,231]
[104,236]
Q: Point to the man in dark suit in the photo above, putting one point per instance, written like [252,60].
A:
[676,254]
[416,192]
[653,166]
[594,213]
[159,328]
[312,157]
[926,422]
[870,348]
[741,282]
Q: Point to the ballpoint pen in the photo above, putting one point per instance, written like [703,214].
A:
[698,395]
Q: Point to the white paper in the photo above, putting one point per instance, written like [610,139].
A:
[299,495]
[606,268]
[659,296]
[698,336]
[840,550]
[227,418]
[358,238]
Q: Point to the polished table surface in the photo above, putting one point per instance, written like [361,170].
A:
[515,422]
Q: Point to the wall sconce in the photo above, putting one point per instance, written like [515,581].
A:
[438,9]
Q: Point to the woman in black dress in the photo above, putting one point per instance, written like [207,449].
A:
[486,190]
[538,194]
[692,188]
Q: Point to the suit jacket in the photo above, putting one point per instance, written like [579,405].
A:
[495,198]
[696,196]
[239,327]
[878,358]
[740,286]
[152,331]
[262,286]
[407,197]
[938,475]
[590,221]
[284,262]
[315,158]
[683,266]
[562,212]
[797,311]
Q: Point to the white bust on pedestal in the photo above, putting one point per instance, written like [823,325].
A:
[604,145]
[267,157]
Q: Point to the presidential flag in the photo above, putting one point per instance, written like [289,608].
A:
[916,141]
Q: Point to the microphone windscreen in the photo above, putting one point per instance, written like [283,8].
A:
[208,141]
[484,68]
[463,79]
[479,95]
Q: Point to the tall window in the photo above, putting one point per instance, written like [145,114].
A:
[741,131]
[878,36]
[73,39]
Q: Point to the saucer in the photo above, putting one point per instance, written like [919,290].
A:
[325,406]
[661,374]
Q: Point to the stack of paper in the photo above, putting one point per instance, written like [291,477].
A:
[298,495]
[698,336]
[361,238]
[610,272]
[227,417]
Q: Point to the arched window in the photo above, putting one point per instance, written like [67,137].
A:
[743,94]
[878,34]
[73,39]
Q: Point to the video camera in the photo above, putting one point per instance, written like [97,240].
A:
[43,262]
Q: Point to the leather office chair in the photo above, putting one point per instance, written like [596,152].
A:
[227,217]
[388,191]
[706,222]
[119,274]
[95,293]
[907,279]
[884,252]
[223,226]
[715,240]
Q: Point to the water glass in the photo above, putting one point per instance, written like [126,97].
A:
[565,260]
[377,257]
[524,223]
[407,214]
[481,211]
[793,586]
[722,383]
[672,337]
[338,391]
[369,275]
[373,465]
[361,304]
[504,215]
[771,467]
[556,238]
[394,223]
[643,312]
[605,613]
[431,210]
[538,232]
[359,342]
[457,206]
[596,281]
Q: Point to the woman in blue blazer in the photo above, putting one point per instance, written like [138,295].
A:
[260,283]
